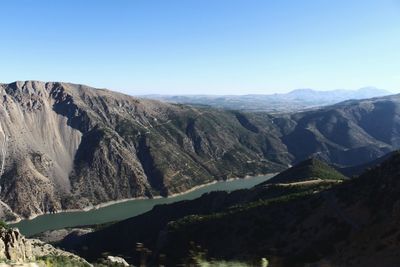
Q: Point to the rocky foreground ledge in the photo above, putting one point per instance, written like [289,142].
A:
[15,249]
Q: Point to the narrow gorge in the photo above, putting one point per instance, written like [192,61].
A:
[67,146]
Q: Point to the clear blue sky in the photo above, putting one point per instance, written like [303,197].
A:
[203,46]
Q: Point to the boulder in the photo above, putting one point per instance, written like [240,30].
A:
[118,260]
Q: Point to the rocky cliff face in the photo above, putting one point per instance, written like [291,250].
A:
[66,146]
[16,249]
[38,149]
[69,146]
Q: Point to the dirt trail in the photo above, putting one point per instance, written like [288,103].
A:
[309,182]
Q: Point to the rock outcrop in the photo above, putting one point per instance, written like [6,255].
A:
[16,249]
[117,260]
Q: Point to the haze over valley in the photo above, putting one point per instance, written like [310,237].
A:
[295,100]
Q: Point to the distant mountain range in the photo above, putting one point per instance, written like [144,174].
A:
[66,146]
[298,99]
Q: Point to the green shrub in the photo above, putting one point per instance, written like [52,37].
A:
[61,261]
[3,225]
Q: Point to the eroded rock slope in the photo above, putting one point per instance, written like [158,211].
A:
[67,146]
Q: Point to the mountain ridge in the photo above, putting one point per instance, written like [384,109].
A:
[300,225]
[112,146]
[71,146]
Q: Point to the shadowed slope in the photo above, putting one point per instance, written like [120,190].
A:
[71,146]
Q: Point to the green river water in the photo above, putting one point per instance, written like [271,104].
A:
[124,210]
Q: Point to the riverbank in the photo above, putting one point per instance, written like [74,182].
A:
[113,202]
[126,208]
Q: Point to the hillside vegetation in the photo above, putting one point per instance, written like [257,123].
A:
[67,146]
[311,169]
[181,220]
[340,226]
[352,223]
